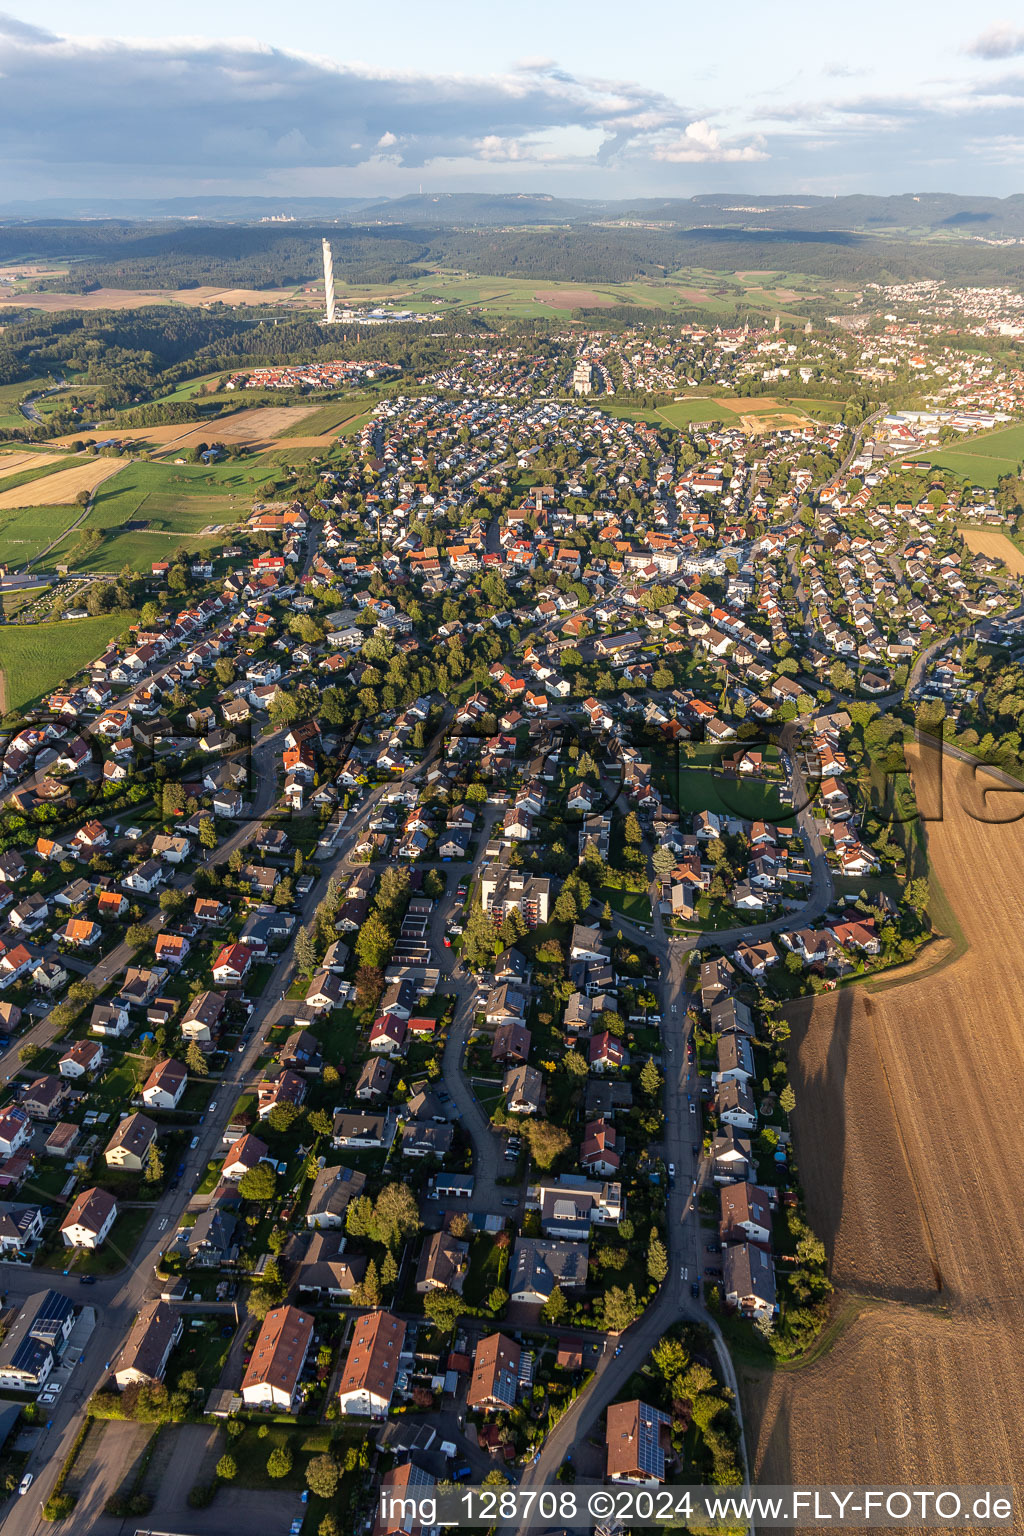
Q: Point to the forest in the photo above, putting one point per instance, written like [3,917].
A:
[122,255]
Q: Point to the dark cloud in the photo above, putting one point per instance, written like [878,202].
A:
[218,109]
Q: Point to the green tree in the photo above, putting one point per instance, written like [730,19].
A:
[283,1116]
[620,1308]
[787,1099]
[305,952]
[396,1215]
[497,1301]
[368,1292]
[443,1307]
[195,1060]
[388,1269]
[279,1462]
[172,799]
[657,1258]
[575,1063]
[545,1140]
[139,935]
[633,833]
[207,832]
[258,1183]
[556,1308]
[227,1468]
[651,1080]
[154,1164]
[322,1476]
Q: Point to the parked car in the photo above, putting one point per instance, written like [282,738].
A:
[26,1482]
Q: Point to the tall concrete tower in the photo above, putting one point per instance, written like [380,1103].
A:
[329,281]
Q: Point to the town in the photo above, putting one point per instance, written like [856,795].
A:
[404,917]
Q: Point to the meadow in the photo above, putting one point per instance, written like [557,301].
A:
[176,501]
[347,414]
[36,657]
[981,460]
[26,531]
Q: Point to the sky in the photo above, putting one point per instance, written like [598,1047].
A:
[572,97]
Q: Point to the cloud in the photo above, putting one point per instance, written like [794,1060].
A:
[214,109]
[10,26]
[700,144]
[999,42]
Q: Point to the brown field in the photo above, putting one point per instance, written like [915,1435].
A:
[574,298]
[896,1122]
[137,298]
[61,488]
[258,427]
[989,541]
[14,462]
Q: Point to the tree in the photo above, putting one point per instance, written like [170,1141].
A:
[154,1164]
[388,1269]
[396,1215]
[633,833]
[322,1476]
[320,1122]
[495,1479]
[651,1080]
[546,1141]
[258,1183]
[227,1468]
[224,670]
[443,1307]
[556,1308]
[359,1216]
[172,798]
[329,1524]
[565,908]
[368,1292]
[497,1301]
[29,1054]
[283,1116]
[663,860]
[207,832]
[139,935]
[305,952]
[195,1060]
[279,1462]
[575,1063]
[657,1258]
[787,1099]
[620,1308]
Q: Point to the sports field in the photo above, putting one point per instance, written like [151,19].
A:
[36,657]
[26,531]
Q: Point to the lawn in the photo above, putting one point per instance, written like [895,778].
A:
[202,1350]
[982,460]
[35,658]
[634,905]
[694,789]
[488,1266]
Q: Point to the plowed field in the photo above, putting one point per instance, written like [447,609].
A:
[908,1126]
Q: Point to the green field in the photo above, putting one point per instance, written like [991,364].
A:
[176,501]
[36,657]
[682,413]
[982,460]
[25,531]
[336,413]
[694,789]
[10,394]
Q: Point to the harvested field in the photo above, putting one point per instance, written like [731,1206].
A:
[575,298]
[259,427]
[896,1113]
[983,541]
[14,462]
[138,298]
[62,487]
